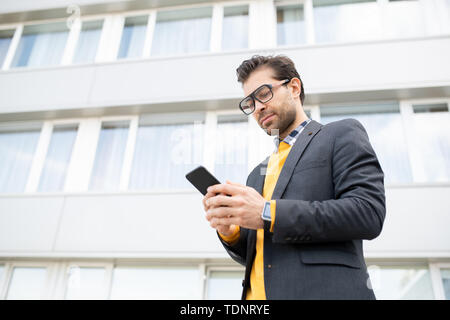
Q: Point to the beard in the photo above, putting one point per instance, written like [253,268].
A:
[283,119]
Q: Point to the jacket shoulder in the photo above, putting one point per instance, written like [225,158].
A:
[343,126]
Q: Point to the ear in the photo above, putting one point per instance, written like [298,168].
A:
[296,87]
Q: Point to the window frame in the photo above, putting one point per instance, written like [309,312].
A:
[74,36]
[413,154]
[408,263]
[416,163]
[128,152]
[436,278]
[61,290]
[17,29]
[201,267]
[308,15]
[212,268]
[50,279]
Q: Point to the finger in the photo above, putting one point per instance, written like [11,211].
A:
[225,188]
[220,212]
[221,200]
[235,183]
[222,222]
[205,199]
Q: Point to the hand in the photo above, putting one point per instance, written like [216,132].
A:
[225,230]
[243,207]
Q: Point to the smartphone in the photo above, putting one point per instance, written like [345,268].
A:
[201,179]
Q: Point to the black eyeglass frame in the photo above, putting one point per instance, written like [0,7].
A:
[252,95]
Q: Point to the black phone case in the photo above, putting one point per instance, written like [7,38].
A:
[201,179]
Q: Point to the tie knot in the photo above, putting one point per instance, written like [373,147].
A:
[283,146]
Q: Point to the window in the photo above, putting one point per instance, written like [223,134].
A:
[17,150]
[2,270]
[182,31]
[41,45]
[165,152]
[346,20]
[290,25]
[383,123]
[109,157]
[231,149]
[432,140]
[401,283]
[235,28]
[445,274]
[225,285]
[88,40]
[86,283]
[58,157]
[27,283]
[155,283]
[133,37]
[5,40]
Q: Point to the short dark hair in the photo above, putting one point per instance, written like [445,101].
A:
[283,67]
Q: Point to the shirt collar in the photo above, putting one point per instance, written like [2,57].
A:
[291,137]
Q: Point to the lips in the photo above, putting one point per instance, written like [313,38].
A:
[267,118]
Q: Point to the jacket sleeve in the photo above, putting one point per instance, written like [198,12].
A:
[238,250]
[358,208]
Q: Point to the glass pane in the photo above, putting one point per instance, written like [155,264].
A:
[109,157]
[41,45]
[133,37]
[432,141]
[2,270]
[231,150]
[445,273]
[183,31]
[336,21]
[27,284]
[225,285]
[86,283]
[88,41]
[404,19]
[176,149]
[401,283]
[16,155]
[155,283]
[382,123]
[5,40]
[437,107]
[290,25]
[235,28]
[57,159]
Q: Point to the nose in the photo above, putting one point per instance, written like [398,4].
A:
[259,106]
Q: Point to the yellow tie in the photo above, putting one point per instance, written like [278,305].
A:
[276,162]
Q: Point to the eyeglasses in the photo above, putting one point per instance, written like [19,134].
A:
[263,94]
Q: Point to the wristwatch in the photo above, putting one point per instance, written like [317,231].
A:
[266,216]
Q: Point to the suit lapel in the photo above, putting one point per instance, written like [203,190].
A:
[294,156]
[261,170]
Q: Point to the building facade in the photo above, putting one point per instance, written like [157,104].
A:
[105,105]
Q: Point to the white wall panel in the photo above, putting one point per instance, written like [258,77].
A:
[141,224]
[162,225]
[28,224]
[326,69]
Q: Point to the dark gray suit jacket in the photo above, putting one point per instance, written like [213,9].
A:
[330,196]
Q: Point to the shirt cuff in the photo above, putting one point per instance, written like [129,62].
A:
[233,237]
[273,206]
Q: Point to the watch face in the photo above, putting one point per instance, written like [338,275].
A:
[266,213]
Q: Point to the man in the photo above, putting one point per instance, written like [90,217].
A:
[299,223]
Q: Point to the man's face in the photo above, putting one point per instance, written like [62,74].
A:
[280,111]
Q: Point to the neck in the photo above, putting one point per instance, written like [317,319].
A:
[301,116]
